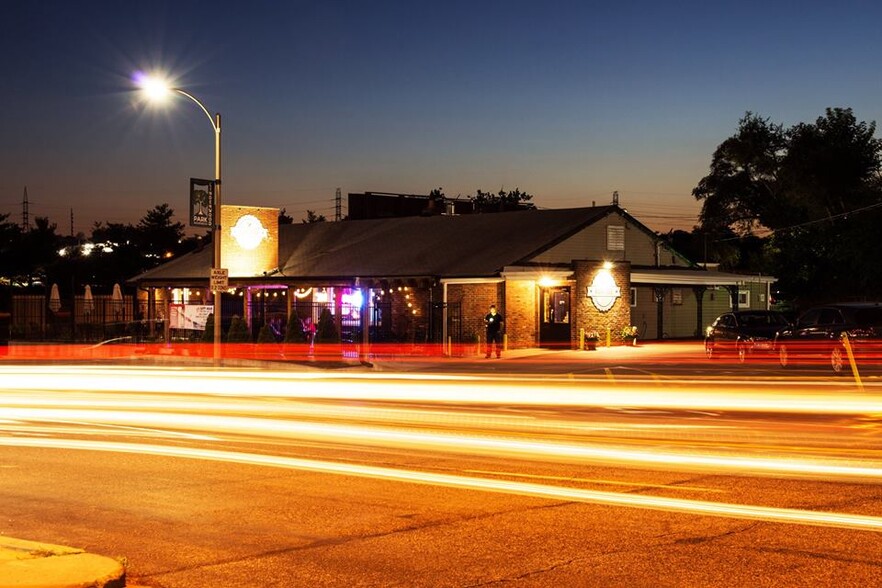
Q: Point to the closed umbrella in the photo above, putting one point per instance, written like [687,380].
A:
[116,300]
[88,301]
[54,299]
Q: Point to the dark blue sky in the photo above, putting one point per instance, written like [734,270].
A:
[566,100]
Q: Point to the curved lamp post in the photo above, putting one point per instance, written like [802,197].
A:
[157,90]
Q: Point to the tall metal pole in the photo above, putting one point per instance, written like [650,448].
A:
[217,232]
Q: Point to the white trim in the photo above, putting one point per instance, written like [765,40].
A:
[472,280]
[532,273]
[696,278]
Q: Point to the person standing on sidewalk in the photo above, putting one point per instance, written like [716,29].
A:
[494,322]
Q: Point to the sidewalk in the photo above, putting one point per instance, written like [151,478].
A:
[28,564]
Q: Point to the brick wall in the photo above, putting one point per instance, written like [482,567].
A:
[587,316]
[476,300]
[522,314]
[250,262]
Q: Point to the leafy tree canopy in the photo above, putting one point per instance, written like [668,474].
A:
[502,201]
[312,217]
[816,187]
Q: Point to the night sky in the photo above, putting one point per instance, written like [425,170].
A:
[568,101]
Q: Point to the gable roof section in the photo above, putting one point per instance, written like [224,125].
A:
[439,246]
[475,245]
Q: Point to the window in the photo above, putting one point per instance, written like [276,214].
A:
[744,299]
[830,316]
[633,297]
[615,238]
[677,296]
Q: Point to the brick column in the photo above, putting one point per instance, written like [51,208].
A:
[587,315]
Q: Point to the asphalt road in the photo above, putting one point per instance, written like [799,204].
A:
[634,472]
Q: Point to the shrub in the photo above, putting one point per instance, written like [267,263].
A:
[238,332]
[326,331]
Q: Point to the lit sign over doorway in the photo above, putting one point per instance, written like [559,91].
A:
[603,290]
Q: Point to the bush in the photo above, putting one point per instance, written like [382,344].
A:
[294,330]
[208,333]
[326,331]
[265,335]
[238,332]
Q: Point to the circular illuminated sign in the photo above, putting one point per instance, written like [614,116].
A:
[248,231]
[603,291]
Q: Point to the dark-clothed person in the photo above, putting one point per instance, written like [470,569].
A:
[494,322]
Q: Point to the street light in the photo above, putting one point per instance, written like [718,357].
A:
[157,90]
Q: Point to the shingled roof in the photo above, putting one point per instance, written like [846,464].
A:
[474,245]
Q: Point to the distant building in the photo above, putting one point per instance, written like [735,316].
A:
[368,205]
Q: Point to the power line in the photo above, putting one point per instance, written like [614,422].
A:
[813,222]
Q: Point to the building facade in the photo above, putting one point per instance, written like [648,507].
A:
[560,277]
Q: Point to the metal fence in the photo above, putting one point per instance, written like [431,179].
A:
[35,317]
[107,317]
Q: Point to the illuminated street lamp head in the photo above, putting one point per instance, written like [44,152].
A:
[154,88]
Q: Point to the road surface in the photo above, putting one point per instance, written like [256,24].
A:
[630,477]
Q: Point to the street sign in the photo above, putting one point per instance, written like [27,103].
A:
[220,279]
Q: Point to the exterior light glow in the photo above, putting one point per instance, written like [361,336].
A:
[607,265]
[546,281]
[155,89]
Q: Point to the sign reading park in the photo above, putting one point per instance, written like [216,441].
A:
[201,203]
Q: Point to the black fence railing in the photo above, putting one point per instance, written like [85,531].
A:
[102,318]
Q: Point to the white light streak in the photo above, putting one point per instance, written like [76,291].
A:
[696,507]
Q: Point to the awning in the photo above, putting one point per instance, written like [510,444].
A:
[680,277]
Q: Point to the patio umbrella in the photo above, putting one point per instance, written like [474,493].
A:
[116,301]
[54,299]
[88,301]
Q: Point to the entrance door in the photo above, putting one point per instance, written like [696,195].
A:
[554,317]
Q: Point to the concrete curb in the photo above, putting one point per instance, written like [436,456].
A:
[29,564]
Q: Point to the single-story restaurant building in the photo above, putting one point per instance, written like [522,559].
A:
[558,276]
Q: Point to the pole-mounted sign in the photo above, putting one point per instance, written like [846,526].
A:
[202,209]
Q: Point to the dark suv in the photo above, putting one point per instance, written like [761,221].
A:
[744,332]
[818,334]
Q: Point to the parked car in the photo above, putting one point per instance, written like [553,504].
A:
[818,335]
[743,332]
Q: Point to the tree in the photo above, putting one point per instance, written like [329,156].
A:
[285,219]
[39,251]
[817,187]
[741,189]
[159,236]
[312,217]
[502,201]
[10,245]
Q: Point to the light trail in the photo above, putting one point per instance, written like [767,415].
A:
[462,415]
[457,442]
[696,507]
[736,397]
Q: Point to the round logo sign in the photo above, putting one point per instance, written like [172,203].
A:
[248,231]
[603,291]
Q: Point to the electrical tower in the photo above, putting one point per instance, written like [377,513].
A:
[25,219]
[338,206]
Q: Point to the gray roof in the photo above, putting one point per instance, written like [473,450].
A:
[474,245]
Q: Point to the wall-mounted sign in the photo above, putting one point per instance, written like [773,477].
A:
[250,243]
[603,291]
[201,203]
